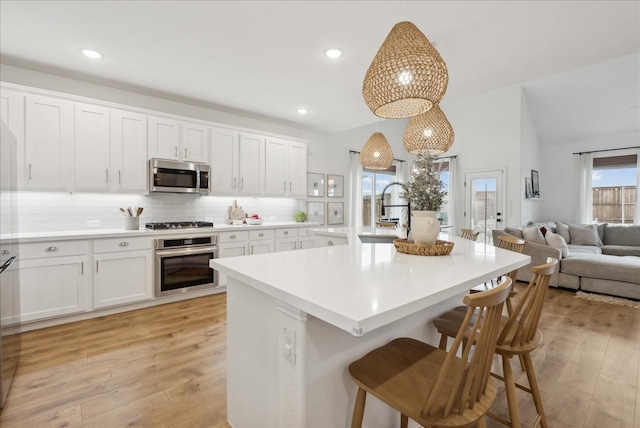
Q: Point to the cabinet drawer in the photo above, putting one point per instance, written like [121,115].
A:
[291,232]
[241,235]
[256,235]
[121,244]
[37,250]
[306,231]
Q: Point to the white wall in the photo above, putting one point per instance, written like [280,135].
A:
[487,136]
[529,159]
[559,172]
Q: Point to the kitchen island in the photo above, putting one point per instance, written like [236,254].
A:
[296,320]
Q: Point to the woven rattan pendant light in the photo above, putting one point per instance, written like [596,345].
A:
[376,153]
[428,133]
[407,76]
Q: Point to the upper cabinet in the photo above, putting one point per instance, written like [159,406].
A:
[223,178]
[47,143]
[250,164]
[286,168]
[129,164]
[177,140]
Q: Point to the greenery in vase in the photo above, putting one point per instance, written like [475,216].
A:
[425,191]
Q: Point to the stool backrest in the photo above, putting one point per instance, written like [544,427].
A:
[511,243]
[462,379]
[469,234]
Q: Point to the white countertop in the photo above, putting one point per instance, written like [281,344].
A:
[117,233]
[359,287]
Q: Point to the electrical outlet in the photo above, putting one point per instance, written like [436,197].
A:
[289,344]
[93,223]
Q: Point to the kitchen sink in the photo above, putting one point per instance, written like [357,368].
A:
[377,239]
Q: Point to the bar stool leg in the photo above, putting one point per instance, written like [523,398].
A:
[510,389]
[358,409]
[535,389]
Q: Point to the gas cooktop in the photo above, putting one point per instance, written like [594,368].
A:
[178,225]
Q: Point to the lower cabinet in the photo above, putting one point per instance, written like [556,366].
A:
[53,286]
[232,244]
[261,241]
[328,241]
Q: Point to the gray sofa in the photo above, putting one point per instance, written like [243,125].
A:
[610,267]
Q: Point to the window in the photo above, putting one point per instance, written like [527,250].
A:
[614,191]
[373,184]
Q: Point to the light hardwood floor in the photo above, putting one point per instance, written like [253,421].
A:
[165,367]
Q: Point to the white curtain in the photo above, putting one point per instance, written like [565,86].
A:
[636,218]
[584,197]
[453,183]
[355,190]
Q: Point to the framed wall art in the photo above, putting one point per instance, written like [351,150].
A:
[535,184]
[315,212]
[335,186]
[315,184]
[335,213]
[528,189]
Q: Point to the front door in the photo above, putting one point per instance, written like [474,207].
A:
[484,202]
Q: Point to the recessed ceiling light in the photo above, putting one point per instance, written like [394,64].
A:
[92,54]
[303,110]
[333,53]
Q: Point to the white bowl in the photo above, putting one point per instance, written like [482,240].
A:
[254,221]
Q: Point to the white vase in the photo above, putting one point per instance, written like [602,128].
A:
[425,227]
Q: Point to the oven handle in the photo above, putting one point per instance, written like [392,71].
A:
[187,251]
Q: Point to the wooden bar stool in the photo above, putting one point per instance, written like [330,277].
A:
[469,234]
[519,336]
[432,386]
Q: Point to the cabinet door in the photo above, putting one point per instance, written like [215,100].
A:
[92,149]
[276,182]
[195,142]
[307,242]
[122,277]
[129,166]
[224,162]
[288,244]
[251,169]
[261,247]
[47,142]
[12,113]
[297,162]
[52,287]
[164,138]
[233,249]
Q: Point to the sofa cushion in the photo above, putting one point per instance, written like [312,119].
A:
[533,234]
[607,286]
[556,241]
[549,225]
[615,268]
[584,249]
[563,230]
[621,250]
[622,235]
[515,231]
[584,234]
[601,227]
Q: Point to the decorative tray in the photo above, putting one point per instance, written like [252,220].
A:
[440,248]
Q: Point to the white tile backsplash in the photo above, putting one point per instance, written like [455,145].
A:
[43,212]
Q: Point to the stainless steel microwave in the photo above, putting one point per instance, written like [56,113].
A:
[178,177]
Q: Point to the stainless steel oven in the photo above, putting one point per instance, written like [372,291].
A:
[182,264]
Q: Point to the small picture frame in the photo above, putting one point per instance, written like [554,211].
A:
[315,212]
[528,189]
[335,186]
[315,185]
[335,213]
[535,184]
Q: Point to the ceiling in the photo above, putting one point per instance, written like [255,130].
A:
[266,58]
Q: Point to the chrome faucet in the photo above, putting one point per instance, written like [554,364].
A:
[408,204]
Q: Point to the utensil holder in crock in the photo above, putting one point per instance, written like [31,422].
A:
[131,223]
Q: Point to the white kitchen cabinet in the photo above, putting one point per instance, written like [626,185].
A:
[223,178]
[47,143]
[251,164]
[232,244]
[92,148]
[12,113]
[164,138]
[261,241]
[306,237]
[286,239]
[194,145]
[122,271]
[329,241]
[285,168]
[129,166]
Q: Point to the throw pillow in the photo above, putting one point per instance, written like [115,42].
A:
[562,229]
[584,234]
[533,234]
[543,230]
[515,231]
[556,241]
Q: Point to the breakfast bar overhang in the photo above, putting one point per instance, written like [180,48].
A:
[295,320]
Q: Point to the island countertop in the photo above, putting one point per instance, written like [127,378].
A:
[359,287]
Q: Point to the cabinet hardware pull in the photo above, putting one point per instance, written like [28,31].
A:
[242,183]
[29,171]
[124,244]
[286,232]
[97,265]
[289,186]
[176,149]
[244,250]
[234,182]
[251,252]
[5,252]
[119,177]
[50,249]
[82,268]
[261,234]
[285,186]
[330,243]
[185,153]
[107,175]
[232,237]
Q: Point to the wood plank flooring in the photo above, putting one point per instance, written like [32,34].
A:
[166,367]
